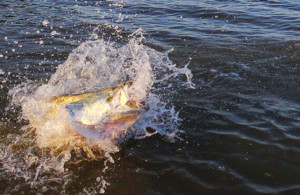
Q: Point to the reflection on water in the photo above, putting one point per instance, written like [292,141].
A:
[236,131]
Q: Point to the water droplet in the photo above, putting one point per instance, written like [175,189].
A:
[45,22]
[53,33]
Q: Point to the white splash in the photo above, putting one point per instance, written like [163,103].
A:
[94,65]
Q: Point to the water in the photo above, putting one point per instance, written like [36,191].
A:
[226,123]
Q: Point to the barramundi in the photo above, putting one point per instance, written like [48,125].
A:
[101,114]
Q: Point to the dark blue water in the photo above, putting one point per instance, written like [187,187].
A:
[241,124]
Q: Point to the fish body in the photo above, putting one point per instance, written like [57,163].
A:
[101,114]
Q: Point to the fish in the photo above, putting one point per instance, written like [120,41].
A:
[101,114]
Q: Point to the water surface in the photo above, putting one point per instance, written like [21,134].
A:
[240,128]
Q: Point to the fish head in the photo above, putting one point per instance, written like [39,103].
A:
[106,113]
[123,98]
[124,105]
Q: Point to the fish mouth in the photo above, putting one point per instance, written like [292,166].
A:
[135,104]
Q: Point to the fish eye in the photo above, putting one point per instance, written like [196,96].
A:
[109,99]
[132,104]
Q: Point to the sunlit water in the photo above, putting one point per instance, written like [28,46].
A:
[221,80]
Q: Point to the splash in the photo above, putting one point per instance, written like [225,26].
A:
[95,65]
